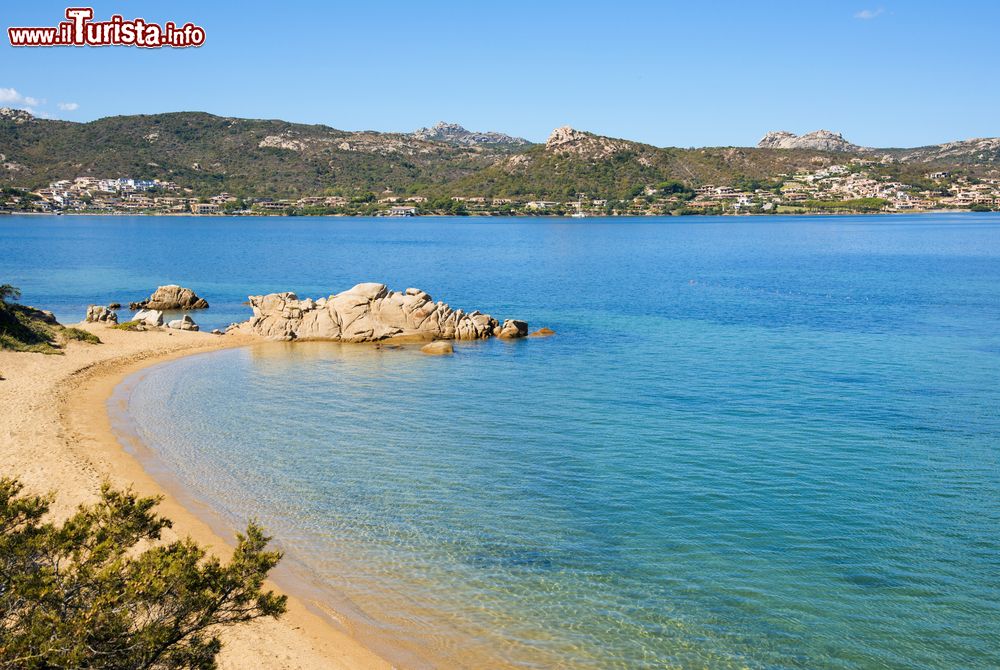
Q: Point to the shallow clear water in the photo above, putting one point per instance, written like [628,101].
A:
[764,442]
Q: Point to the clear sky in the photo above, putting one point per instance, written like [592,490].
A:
[890,73]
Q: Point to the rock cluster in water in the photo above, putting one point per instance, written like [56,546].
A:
[369,312]
[438,348]
[171,296]
[101,314]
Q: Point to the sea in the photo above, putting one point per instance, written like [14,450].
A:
[753,442]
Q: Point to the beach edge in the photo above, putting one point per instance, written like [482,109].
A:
[74,390]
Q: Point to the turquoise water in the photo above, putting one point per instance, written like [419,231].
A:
[754,443]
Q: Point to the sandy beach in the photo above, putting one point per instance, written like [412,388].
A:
[55,435]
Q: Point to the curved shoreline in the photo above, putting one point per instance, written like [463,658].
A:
[58,437]
[292,576]
[364,620]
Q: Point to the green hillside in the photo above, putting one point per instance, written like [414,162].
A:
[210,154]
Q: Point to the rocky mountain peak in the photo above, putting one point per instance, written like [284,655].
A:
[16,115]
[819,140]
[564,135]
[776,138]
[567,139]
[444,128]
[454,133]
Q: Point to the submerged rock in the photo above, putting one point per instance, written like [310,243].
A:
[512,329]
[171,296]
[100,314]
[365,313]
[543,332]
[438,348]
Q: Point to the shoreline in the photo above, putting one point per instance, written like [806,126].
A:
[58,437]
[486,215]
[292,577]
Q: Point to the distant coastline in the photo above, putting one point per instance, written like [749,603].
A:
[459,217]
[196,163]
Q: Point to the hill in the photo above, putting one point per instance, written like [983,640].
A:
[209,154]
[573,161]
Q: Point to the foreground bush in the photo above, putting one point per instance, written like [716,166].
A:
[92,592]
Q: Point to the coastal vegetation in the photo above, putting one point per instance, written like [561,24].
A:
[128,325]
[24,328]
[71,333]
[100,591]
[856,205]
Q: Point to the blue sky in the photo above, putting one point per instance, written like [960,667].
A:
[668,73]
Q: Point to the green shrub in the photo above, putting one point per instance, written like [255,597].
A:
[8,292]
[128,325]
[71,333]
[25,329]
[81,594]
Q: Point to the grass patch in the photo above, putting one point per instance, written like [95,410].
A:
[70,333]
[12,344]
[128,325]
[27,329]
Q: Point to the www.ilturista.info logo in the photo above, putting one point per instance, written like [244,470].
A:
[80,31]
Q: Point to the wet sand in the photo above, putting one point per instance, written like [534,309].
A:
[56,435]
